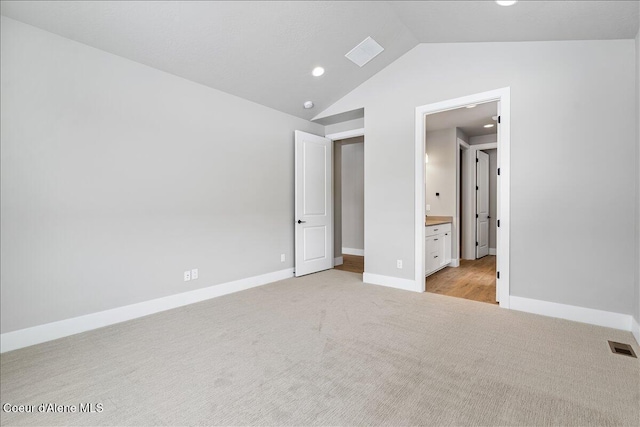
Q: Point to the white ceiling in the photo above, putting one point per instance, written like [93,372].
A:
[477,21]
[470,120]
[265,51]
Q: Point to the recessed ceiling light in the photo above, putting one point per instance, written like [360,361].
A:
[506,2]
[490,125]
[317,72]
[309,104]
[471,106]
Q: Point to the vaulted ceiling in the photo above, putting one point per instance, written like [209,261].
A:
[265,51]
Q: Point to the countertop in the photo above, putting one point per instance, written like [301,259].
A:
[437,220]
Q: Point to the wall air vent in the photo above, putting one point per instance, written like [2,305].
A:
[364,52]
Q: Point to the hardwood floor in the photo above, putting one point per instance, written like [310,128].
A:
[473,279]
[352,263]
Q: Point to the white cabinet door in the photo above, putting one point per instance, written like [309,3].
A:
[427,269]
[446,259]
[432,254]
[439,247]
[437,253]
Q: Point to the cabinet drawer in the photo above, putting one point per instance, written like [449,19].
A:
[433,261]
[432,230]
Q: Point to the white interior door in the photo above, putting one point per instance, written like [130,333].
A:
[313,203]
[468,204]
[482,204]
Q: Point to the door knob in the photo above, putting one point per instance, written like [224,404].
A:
[301,222]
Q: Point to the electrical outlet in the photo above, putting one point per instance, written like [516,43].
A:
[194,274]
[187,275]
[428,207]
[399,263]
[282,258]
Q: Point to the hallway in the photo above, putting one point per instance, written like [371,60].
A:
[352,263]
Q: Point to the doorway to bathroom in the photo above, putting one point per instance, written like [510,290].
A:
[462,215]
[460,195]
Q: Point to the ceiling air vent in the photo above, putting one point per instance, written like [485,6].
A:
[364,52]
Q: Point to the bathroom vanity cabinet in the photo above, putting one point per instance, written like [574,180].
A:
[437,247]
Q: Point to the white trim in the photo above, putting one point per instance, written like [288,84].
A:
[635,329]
[391,282]
[338,261]
[455,262]
[572,312]
[487,146]
[462,147]
[346,134]
[492,251]
[503,96]
[64,328]
[420,196]
[468,192]
[352,251]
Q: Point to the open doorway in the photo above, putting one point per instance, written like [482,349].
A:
[349,204]
[462,234]
[460,231]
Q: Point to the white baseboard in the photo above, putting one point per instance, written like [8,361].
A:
[63,328]
[571,312]
[492,251]
[352,251]
[635,329]
[454,263]
[391,282]
[338,261]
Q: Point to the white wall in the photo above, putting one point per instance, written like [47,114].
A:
[463,136]
[117,177]
[353,193]
[483,139]
[637,252]
[572,85]
[344,126]
[441,177]
[440,172]
[337,199]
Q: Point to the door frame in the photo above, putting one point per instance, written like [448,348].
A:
[462,190]
[503,96]
[468,219]
[488,190]
[338,136]
[345,135]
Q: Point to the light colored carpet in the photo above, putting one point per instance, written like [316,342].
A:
[328,350]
